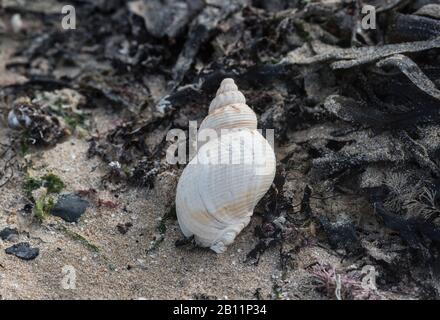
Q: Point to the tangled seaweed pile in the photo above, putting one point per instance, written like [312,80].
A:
[356,111]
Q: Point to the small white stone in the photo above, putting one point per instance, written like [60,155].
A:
[16,23]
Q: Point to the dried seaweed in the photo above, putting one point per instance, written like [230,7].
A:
[408,27]
[429,10]
[351,57]
[38,125]
[413,72]
[275,227]
[342,285]
[166,18]
[414,231]
[341,235]
[371,150]
[127,154]
[201,28]
[9,163]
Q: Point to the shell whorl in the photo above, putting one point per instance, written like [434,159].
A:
[227,94]
[229,110]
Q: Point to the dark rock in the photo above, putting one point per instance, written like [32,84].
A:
[9,234]
[28,208]
[341,235]
[23,251]
[123,228]
[166,18]
[70,207]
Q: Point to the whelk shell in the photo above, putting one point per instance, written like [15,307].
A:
[220,187]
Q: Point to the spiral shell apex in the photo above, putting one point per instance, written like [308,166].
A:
[220,187]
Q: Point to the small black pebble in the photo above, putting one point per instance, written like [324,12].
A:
[28,208]
[9,234]
[123,228]
[23,251]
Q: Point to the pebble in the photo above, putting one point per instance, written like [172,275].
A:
[17,23]
[70,207]
[23,251]
[9,234]
[123,228]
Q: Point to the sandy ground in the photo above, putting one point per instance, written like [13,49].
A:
[165,273]
[121,269]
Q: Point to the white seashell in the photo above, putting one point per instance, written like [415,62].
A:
[18,120]
[17,23]
[220,187]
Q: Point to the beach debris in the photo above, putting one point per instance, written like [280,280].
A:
[18,119]
[124,227]
[351,57]
[38,125]
[43,203]
[127,153]
[201,28]
[161,229]
[413,72]
[17,23]
[109,204]
[166,18]
[50,181]
[342,285]
[412,27]
[431,10]
[48,117]
[23,250]
[123,94]
[65,103]
[80,238]
[40,191]
[9,234]
[276,227]
[70,207]
[9,162]
[8,77]
[341,235]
